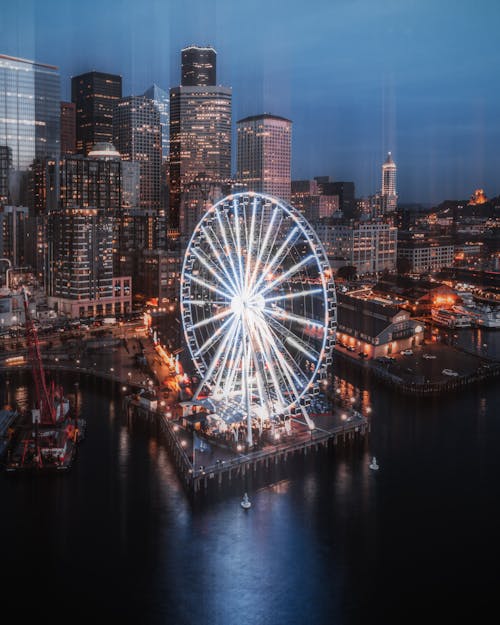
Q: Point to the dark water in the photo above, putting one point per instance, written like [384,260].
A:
[117,541]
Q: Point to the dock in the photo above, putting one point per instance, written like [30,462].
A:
[225,466]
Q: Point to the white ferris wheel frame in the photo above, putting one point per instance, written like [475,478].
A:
[237,275]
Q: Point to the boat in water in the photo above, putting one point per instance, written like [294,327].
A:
[451,318]
[48,435]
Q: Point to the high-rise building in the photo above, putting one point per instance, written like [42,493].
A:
[13,234]
[264,154]
[200,146]
[346,194]
[95,95]
[68,128]
[389,193]
[137,136]
[161,100]
[29,115]
[81,235]
[5,167]
[199,66]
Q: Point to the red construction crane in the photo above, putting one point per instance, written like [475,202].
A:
[44,395]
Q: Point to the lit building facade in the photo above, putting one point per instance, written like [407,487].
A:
[14,231]
[95,95]
[68,128]
[200,139]
[389,193]
[161,100]
[307,197]
[264,155]
[370,247]
[198,66]
[30,114]
[427,256]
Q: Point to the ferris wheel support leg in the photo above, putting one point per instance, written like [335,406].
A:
[307,418]
[246,381]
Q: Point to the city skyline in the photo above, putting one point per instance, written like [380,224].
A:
[357,79]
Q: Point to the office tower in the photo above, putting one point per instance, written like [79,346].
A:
[5,167]
[199,66]
[308,198]
[68,128]
[29,114]
[345,192]
[389,194]
[137,136]
[95,95]
[81,237]
[264,154]
[161,100]
[200,145]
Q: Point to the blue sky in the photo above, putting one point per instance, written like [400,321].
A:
[357,77]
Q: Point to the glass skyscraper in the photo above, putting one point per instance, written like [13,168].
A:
[29,113]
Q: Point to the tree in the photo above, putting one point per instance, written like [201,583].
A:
[347,272]
[403,265]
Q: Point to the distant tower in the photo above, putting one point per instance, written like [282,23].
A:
[264,154]
[95,95]
[389,194]
[200,139]
[198,66]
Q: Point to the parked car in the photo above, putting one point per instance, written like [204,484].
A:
[449,372]
[406,352]
[429,356]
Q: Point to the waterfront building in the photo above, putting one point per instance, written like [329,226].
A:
[30,110]
[416,295]
[68,128]
[373,327]
[371,247]
[389,193]
[95,95]
[200,140]
[161,100]
[264,154]
[308,198]
[426,255]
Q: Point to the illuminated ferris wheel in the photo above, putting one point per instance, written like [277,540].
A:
[258,309]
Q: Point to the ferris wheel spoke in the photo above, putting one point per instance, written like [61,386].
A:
[282,314]
[204,302]
[234,365]
[238,240]
[262,246]
[288,274]
[215,252]
[227,248]
[250,241]
[294,340]
[210,287]
[208,265]
[215,359]
[230,349]
[265,349]
[284,247]
[278,298]
[265,397]
[214,337]
[212,319]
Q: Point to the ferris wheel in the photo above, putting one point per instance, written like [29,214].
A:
[258,309]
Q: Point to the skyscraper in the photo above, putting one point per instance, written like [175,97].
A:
[29,115]
[389,193]
[264,154]
[68,128]
[95,95]
[162,102]
[137,136]
[200,141]
[199,66]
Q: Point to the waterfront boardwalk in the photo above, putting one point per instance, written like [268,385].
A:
[223,464]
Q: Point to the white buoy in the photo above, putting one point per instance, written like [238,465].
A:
[245,503]
[373,464]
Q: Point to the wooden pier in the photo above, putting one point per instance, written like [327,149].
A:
[230,470]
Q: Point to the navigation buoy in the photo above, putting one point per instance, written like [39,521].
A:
[373,464]
[245,503]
